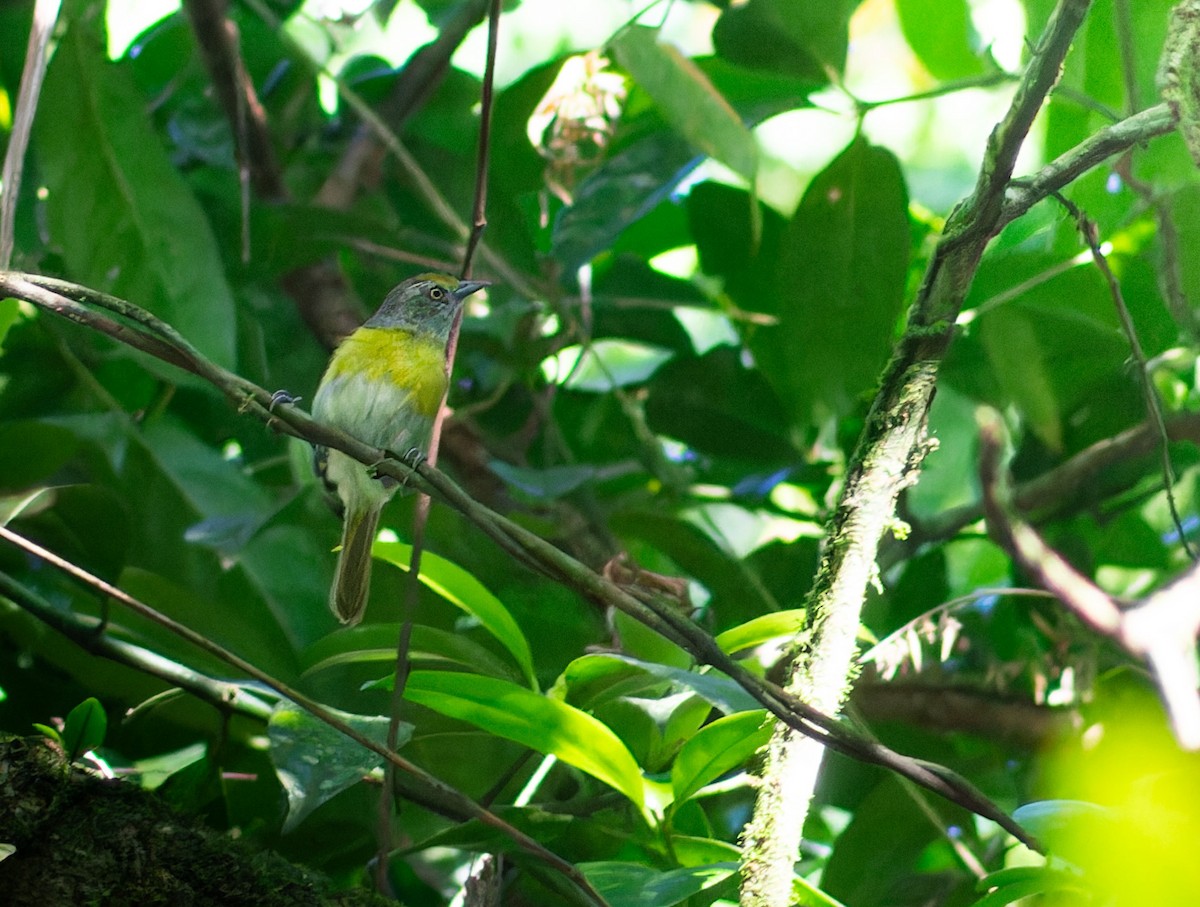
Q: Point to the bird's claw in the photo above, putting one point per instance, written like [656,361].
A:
[282,396]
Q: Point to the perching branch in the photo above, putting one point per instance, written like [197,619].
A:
[531,550]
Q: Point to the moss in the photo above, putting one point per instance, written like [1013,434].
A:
[84,840]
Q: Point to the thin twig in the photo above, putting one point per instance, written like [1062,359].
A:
[479,208]
[421,514]
[985,80]
[45,14]
[1088,230]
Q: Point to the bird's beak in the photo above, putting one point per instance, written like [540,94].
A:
[467,287]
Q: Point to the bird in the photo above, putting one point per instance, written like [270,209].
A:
[383,385]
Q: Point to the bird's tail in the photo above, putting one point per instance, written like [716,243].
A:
[352,581]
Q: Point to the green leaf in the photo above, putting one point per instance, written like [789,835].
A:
[84,729]
[126,221]
[546,725]
[32,452]
[886,833]
[464,591]
[940,34]
[838,284]
[1068,828]
[797,37]
[687,99]
[758,630]
[627,186]
[48,732]
[593,679]
[314,762]
[718,748]
[716,405]
[374,644]
[634,885]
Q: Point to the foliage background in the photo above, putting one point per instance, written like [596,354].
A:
[669,366]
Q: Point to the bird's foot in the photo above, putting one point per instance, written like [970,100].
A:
[282,396]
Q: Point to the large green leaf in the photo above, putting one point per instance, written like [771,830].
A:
[722,692]
[758,630]
[546,725]
[687,99]
[315,762]
[718,748]
[464,591]
[838,284]
[123,216]
[797,37]
[1020,365]
[626,186]
[940,33]
[889,833]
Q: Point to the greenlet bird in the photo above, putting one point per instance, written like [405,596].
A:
[383,385]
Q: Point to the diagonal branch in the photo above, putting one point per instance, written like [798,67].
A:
[886,459]
[535,552]
[1051,493]
[1161,628]
[225,696]
[1095,149]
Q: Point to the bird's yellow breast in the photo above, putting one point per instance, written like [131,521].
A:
[397,359]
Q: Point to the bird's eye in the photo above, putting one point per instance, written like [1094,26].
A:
[437,294]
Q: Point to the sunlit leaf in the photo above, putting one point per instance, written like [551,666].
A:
[546,725]
[761,629]
[371,645]
[718,689]
[940,33]
[604,365]
[84,729]
[718,748]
